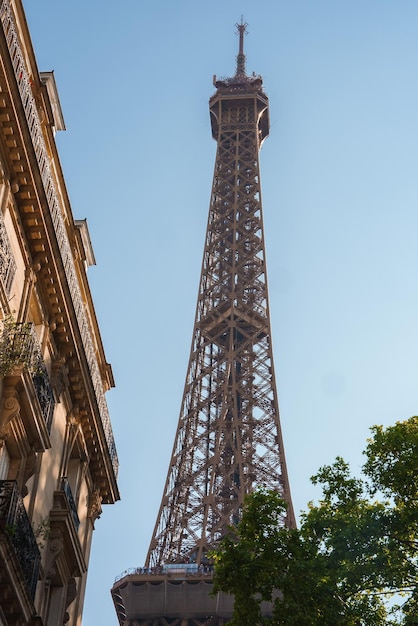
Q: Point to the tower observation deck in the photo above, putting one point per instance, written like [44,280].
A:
[228,439]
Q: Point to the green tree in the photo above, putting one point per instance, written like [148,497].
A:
[251,555]
[354,559]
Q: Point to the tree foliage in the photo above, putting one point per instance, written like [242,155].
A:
[354,559]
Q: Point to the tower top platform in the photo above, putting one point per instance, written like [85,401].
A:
[239,92]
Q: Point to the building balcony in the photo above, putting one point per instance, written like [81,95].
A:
[64,523]
[21,358]
[17,534]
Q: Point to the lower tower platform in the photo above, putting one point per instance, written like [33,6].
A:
[180,596]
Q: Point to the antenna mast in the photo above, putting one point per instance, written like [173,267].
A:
[241,31]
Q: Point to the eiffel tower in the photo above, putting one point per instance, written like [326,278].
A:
[228,439]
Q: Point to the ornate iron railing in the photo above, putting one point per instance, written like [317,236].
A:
[35,129]
[19,346]
[7,262]
[65,486]
[44,393]
[14,522]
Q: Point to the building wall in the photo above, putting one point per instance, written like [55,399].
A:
[58,461]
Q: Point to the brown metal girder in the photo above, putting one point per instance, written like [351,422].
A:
[233,316]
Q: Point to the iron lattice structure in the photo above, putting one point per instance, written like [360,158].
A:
[229,439]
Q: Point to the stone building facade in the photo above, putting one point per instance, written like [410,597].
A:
[58,461]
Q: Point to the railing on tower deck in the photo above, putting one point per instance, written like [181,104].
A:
[34,124]
[65,486]
[15,523]
[7,262]
[171,570]
[19,346]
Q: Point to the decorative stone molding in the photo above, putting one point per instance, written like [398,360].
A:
[59,377]
[9,410]
[72,429]
[70,597]
[30,468]
[54,549]
[95,505]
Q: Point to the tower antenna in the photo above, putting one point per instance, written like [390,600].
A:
[241,31]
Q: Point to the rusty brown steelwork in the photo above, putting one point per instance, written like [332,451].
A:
[229,440]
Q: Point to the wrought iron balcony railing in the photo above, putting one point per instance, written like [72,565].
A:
[15,523]
[19,346]
[7,261]
[44,393]
[65,486]
[54,203]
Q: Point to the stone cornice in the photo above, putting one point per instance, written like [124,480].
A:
[40,196]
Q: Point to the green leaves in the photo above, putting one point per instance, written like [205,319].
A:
[249,557]
[392,462]
[354,556]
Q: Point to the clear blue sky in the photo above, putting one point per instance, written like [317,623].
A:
[340,199]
